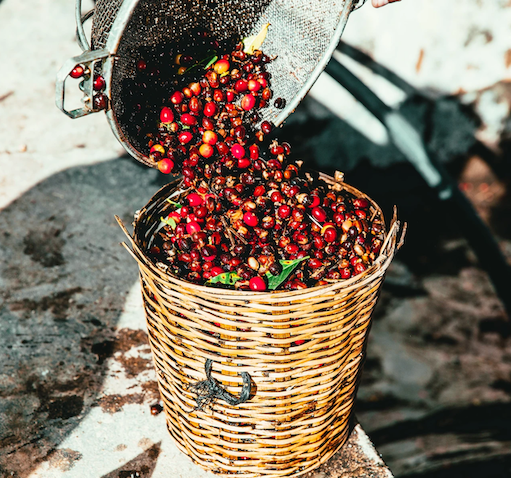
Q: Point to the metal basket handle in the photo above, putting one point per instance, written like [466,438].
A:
[210,389]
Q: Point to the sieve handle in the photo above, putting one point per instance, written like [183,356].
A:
[81,37]
[88,60]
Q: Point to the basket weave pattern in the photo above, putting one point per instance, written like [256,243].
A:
[303,350]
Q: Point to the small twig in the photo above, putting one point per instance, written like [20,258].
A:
[228,230]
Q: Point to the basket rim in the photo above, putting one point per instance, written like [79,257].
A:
[390,246]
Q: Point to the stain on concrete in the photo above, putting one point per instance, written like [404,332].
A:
[58,304]
[103,350]
[45,246]
[64,407]
[113,403]
[151,390]
[126,339]
[135,365]
[64,459]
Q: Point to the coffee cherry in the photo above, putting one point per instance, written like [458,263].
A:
[99,83]
[188,119]
[100,102]
[254,151]
[244,163]
[266,127]
[268,222]
[194,105]
[77,72]
[360,203]
[240,132]
[165,166]
[209,137]
[275,268]
[185,137]
[254,85]
[284,211]
[177,98]
[240,86]
[218,96]
[257,283]
[156,409]
[276,197]
[318,242]
[330,234]
[259,191]
[141,65]
[250,219]
[359,268]
[248,102]
[345,273]
[195,88]
[216,270]
[297,215]
[292,249]
[276,149]
[360,213]
[209,253]
[314,263]
[221,66]
[280,103]
[206,150]
[157,148]
[192,227]
[210,109]
[253,263]
[319,214]
[166,115]
[238,151]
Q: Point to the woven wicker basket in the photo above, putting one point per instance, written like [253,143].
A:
[301,396]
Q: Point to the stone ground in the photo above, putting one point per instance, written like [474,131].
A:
[436,392]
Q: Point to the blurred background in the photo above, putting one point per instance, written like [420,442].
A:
[436,391]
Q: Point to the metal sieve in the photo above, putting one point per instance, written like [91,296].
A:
[303,34]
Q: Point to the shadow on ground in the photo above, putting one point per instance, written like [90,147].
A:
[64,279]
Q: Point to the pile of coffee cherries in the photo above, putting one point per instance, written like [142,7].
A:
[246,215]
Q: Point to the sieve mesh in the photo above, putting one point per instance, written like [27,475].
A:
[104,15]
[300,34]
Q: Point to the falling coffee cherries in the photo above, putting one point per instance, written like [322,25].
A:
[246,215]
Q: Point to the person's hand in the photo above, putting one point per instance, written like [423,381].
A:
[381,3]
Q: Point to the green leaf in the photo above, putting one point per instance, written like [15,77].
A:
[287,268]
[184,126]
[174,203]
[215,58]
[228,278]
[254,42]
[169,221]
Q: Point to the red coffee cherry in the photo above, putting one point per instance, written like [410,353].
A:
[166,115]
[257,284]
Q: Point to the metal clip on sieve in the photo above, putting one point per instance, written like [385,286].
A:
[302,37]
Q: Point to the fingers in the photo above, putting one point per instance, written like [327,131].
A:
[381,3]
